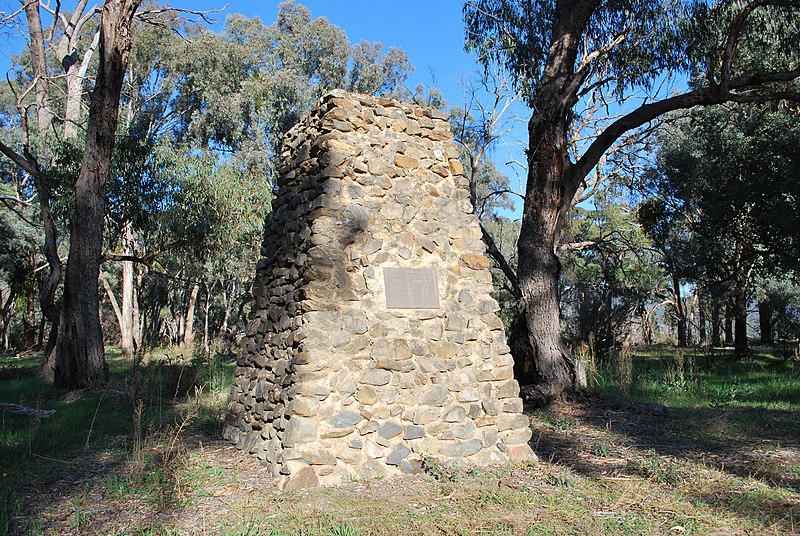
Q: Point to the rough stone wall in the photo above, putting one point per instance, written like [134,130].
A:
[330,382]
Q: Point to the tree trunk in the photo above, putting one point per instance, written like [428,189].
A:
[728,325]
[44,114]
[228,300]
[43,323]
[541,360]
[177,308]
[80,356]
[29,317]
[765,321]
[647,327]
[188,325]
[701,317]
[123,313]
[126,326]
[47,371]
[680,313]
[740,325]
[138,320]
[690,325]
[7,303]
[75,77]
[716,328]
[206,347]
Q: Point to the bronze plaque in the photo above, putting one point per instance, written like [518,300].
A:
[411,288]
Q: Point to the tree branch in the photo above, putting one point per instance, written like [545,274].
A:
[111,297]
[29,167]
[576,246]
[497,255]
[147,260]
[699,97]
[734,30]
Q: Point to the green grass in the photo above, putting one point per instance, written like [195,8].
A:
[719,402]
[122,423]
[723,456]
[711,380]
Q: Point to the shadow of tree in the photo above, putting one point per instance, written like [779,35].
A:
[758,449]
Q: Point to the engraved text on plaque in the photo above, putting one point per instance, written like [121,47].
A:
[411,288]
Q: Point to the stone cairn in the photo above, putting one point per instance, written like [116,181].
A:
[374,341]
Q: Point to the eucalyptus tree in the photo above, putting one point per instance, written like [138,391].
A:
[667,222]
[559,51]
[46,93]
[778,298]
[241,90]
[80,354]
[735,169]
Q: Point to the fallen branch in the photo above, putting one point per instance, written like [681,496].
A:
[26,411]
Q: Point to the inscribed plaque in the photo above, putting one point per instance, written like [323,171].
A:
[411,288]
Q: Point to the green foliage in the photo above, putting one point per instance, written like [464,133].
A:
[781,295]
[198,157]
[202,117]
[504,232]
[671,36]
[610,278]
[723,207]
[377,73]
[243,89]
[517,35]
[20,241]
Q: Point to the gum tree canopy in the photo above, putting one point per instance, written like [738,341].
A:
[560,52]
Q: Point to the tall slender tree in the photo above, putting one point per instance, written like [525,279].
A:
[561,50]
[80,354]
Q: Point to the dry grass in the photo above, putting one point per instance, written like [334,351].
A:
[609,465]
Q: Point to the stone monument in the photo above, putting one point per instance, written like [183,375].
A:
[374,341]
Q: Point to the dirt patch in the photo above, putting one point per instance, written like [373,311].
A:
[605,468]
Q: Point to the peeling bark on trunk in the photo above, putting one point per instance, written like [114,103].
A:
[75,77]
[542,363]
[7,303]
[126,309]
[187,340]
[206,347]
[80,356]
[44,114]
[138,320]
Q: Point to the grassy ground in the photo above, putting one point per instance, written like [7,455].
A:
[668,443]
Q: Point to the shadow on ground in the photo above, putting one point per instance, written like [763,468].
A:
[744,460]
